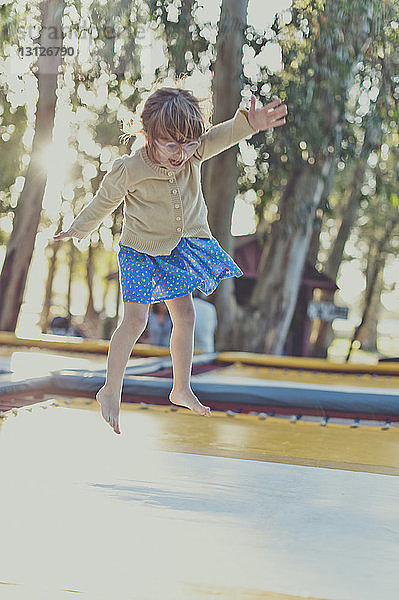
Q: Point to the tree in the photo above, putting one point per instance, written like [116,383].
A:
[27,215]
[317,77]
[220,179]
[367,138]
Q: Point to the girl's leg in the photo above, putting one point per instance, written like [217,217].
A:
[134,320]
[182,313]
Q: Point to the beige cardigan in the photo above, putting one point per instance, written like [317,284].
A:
[160,205]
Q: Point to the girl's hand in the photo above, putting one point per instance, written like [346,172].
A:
[268,116]
[64,235]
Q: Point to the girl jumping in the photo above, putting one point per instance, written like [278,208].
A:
[166,248]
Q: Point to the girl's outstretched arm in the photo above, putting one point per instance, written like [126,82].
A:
[109,195]
[244,124]
[271,115]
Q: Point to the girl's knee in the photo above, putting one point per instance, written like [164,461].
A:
[135,315]
[181,310]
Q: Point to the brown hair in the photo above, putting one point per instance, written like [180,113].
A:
[169,112]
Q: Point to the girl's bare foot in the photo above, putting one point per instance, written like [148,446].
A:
[188,399]
[110,405]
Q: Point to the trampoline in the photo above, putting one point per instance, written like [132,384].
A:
[190,508]
[242,506]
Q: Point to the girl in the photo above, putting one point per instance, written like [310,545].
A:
[166,249]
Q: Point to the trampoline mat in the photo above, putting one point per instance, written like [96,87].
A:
[145,515]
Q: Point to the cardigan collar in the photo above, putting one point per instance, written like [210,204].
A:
[157,168]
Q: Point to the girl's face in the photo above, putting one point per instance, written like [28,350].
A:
[173,155]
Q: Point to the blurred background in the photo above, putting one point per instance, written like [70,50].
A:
[309,210]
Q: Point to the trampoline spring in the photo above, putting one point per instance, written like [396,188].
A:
[387,425]
[355,423]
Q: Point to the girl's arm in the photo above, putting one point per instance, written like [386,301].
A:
[244,123]
[109,195]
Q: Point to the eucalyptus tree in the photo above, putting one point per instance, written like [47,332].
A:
[372,126]
[378,233]
[26,220]
[324,45]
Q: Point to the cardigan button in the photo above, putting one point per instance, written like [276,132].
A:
[178,228]
[170,173]
[178,218]
[171,180]
[177,205]
[174,191]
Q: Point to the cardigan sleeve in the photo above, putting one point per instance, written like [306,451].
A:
[110,194]
[225,135]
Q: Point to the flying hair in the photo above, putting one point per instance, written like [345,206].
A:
[171,112]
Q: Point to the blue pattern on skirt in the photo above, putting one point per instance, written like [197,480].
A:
[194,263]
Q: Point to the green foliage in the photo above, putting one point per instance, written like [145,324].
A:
[119,25]
[12,119]
[12,128]
[185,42]
[332,55]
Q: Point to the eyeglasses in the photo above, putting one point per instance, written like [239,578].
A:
[173,147]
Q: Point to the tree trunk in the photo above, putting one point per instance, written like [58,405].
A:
[279,275]
[298,330]
[367,335]
[71,264]
[325,334]
[27,214]
[220,176]
[92,317]
[314,244]
[377,258]
[52,249]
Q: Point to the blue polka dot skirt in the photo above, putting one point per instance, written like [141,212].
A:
[194,263]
